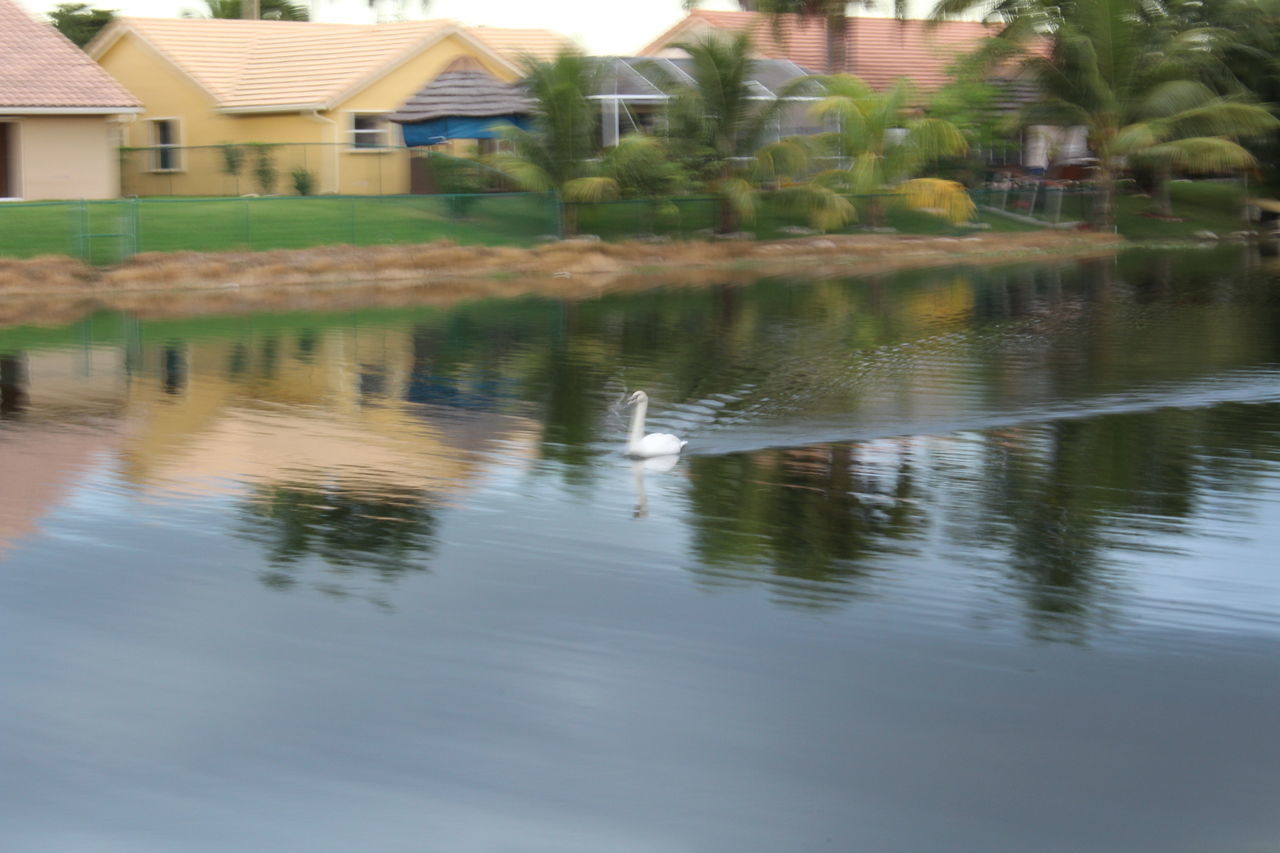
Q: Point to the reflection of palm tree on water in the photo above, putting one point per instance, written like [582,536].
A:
[382,535]
[814,514]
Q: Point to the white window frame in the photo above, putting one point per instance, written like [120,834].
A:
[383,132]
[173,148]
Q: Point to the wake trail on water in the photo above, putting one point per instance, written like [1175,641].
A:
[883,418]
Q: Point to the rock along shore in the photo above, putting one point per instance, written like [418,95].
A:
[57,289]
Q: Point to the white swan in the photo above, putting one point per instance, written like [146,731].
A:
[641,446]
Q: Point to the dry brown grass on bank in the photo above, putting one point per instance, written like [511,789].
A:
[428,264]
[336,277]
[47,272]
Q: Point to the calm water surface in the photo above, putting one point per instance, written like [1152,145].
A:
[957,560]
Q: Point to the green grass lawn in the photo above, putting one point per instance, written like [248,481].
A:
[217,224]
[116,228]
[105,232]
[1201,206]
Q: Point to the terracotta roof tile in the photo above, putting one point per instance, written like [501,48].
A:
[259,64]
[879,50]
[514,44]
[245,64]
[41,69]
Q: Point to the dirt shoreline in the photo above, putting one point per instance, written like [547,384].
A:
[57,289]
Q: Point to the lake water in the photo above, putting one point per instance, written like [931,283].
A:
[955,560]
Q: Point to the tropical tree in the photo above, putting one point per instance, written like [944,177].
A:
[268,10]
[1250,48]
[880,144]
[555,154]
[834,15]
[716,124]
[79,22]
[1139,86]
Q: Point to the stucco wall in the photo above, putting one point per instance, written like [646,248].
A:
[63,157]
[319,143]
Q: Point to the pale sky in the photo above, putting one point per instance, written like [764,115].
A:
[599,25]
[602,27]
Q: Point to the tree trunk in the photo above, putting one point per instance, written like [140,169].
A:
[1104,206]
[838,44]
[1160,191]
[726,216]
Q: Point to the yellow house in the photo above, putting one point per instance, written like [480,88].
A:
[242,106]
[58,115]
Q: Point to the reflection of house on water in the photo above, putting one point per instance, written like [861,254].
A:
[40,465]
[346,406]
[289,416]
[13,385]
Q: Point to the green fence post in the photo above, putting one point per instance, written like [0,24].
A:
[248,224]
[84,232]
[135,227]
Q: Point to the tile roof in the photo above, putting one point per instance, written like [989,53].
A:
[41,70]
[879,50]
[248,65]
[514,44]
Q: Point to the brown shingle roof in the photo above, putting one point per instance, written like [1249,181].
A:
[247,65]
[879,50]
[466,93]
[41,70]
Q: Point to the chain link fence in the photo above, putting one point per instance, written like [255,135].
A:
[107,232]
[265,170]
[1038,201]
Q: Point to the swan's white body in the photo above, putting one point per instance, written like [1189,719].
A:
[641,446]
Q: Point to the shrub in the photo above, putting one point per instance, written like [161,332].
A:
[304,181]
[265,170]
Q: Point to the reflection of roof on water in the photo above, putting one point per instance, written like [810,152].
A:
[254,410]
[442,454]
[38,468]
[487,394]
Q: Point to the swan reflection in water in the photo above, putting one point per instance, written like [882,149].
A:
[656,464]
[658,451]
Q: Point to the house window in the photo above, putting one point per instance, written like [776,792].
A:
[369,130]
[165,153]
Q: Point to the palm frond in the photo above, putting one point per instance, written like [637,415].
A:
[947,199]
[591,189]
[786,158]
[825,209]
[1201,154]
[740,194]
[934,138]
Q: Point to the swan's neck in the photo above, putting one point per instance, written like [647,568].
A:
[637,422]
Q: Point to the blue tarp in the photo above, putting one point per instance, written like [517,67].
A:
[456,127]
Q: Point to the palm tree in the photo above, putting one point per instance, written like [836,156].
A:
[881,144]
[1138,85]
[832,13]
[554,155]
[268,10]
[715,123]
